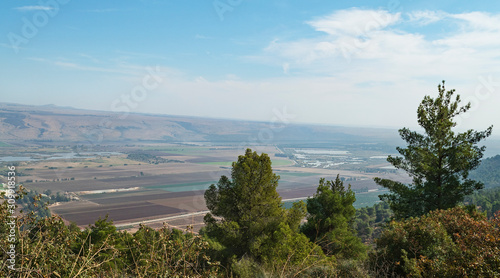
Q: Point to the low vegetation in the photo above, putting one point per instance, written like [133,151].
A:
[444,243]
[149,158]
[48,248]
[37,204]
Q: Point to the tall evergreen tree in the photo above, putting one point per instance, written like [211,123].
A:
[246,215]
[330,218]
[438,161]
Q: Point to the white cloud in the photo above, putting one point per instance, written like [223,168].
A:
[354,22]
[426,17]
[346,34]
[343,46]
[121,68]
[478,35]
[76,66]
[34,8]
[479,21]
[389,64]
[475,40]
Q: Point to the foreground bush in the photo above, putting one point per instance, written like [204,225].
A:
[48,248]
[445,243]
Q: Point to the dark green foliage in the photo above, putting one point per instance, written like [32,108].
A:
[149,158]
[145,157]
[330,218]
[247,268]
[488,200]
[247,219]
[249,205]
[438,161]
[370,220]
[488,172]
[33,202]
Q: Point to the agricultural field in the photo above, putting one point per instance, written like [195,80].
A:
[156,183]
[357,159]
[2,144]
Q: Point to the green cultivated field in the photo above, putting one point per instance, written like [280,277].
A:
[164,188]
[281,162]
[296,174]
[368,199]
[179,150]
[365,199]
[2,144]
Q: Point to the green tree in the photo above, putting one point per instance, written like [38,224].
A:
[488,200]
[247,217]
[330,220]
[488,172]
[438,161]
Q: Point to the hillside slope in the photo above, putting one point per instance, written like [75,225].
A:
[23,123]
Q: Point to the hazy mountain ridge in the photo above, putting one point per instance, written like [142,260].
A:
[65,124]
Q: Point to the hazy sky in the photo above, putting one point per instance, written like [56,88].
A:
[362,63]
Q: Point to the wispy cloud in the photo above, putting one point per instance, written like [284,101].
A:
[89,57]
[426,17]
[479,20]
[77,66]
[354,22]
[379,40]
[124,70]
[34,8]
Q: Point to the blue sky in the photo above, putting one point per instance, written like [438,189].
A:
[361,63]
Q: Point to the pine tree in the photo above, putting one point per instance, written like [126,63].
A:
[438,161]
[247,217]
[330,217]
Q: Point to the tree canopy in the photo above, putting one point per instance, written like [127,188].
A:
[247,217]
[438,161]
[330,218]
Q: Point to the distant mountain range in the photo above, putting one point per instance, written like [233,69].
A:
[50,123]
